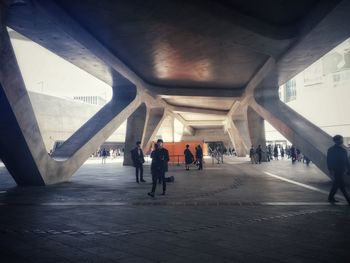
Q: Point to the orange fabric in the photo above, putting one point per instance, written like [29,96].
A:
[176,150]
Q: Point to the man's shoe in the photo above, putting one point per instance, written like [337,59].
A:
[333,200]
[137,181]
[163,193]
[143,181]
[151,194]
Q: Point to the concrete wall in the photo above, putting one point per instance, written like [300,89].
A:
[59,118]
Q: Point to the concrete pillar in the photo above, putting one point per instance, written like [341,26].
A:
[155,118]
[134,132]
[166,130]
[236,139]
[310,139]
[256,130]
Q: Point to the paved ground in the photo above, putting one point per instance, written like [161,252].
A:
[233,212]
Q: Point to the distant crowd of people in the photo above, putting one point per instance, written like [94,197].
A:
[276,152]
[103,153]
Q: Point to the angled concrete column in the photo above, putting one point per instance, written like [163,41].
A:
[306,136]
[31,164]
[134,131]
[237,139]
[155,118]
[143,126]
[242,127]
[256,130]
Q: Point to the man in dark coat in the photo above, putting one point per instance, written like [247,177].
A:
[160,159]
[199,157]
[188,157]
[138,160]
[258,152]
[338,164]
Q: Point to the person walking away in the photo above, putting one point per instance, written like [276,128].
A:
[199,157]
[252,155]
[189,158]
[138,160]
[269,150]
[159,165]
[282,152]
[258,152]
[267,153]
[299,157]
[275,152]
[293,153]
[338,164]
[104,155]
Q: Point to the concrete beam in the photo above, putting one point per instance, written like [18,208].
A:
[179,109]
[134,131]
[196,91]
[155,118]
[256,130]
[236,138]
[311,140]
[206,123]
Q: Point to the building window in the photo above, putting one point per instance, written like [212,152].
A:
[291,91]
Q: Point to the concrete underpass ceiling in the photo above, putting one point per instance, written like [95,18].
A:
[176,46]
[194,44]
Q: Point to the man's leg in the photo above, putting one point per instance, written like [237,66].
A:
[154,184]
[141,173]
[334,189]
[164,183]
[343,190]
[137,168]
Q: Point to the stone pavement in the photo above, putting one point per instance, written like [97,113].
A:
[233,212]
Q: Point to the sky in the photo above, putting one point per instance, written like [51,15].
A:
[47,73]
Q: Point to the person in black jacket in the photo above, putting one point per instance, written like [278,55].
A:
[258,152]
[199,157]
[159,165]
[188,157]
[338,164]
[138,160]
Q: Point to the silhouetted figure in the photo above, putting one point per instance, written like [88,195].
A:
[252,155]
[282,152]
[189,158]
[293,153]
[159,165]
[269,151]
[199,157]
[275,152]
[299,157]
[338,164]
[138,160]
[258,152]
[306,159]
[104,155]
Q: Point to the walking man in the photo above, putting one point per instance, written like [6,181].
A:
[338,164]
[138,160]
[258,152]
[252,155]
[199,157]
[160,159]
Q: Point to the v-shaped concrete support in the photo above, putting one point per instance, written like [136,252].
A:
[22,148]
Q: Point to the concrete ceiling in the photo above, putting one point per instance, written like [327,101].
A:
[198,54]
